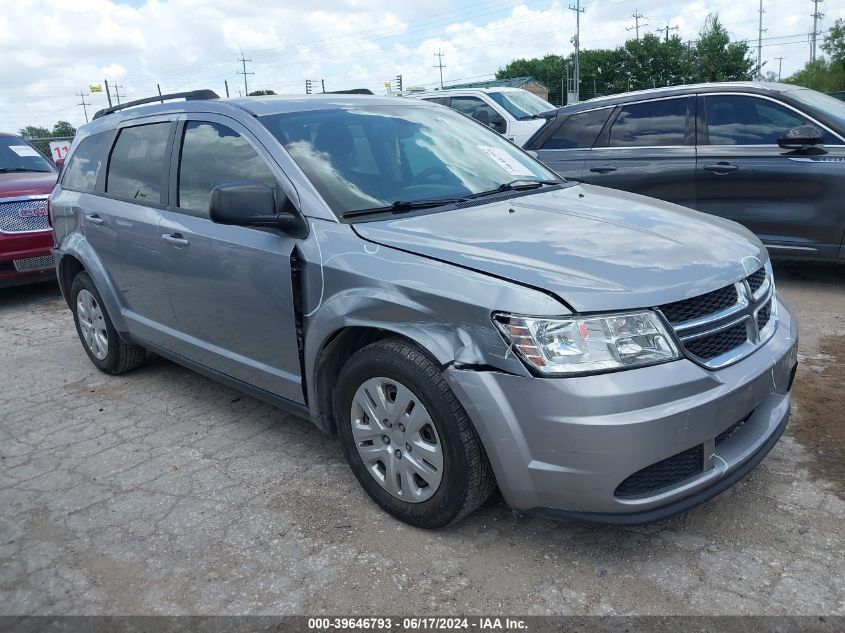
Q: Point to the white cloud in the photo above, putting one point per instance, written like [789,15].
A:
[54,48]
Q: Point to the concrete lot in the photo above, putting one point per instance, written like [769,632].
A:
[163,492]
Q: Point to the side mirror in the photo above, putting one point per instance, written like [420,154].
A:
[801,137]
[251,203]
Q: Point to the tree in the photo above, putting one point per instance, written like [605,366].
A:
[820,75]
[716,58]
[260,93]
[34,131]
[549,70]
[63,128]
[834,43]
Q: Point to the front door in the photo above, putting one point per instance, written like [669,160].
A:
[792,200]
[648,148]
[230,286]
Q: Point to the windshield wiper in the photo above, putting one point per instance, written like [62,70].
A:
[518,184]
[401,206]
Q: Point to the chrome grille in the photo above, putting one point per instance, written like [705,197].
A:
[23,215]
[724,325]
[33,263]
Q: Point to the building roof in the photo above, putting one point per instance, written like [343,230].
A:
[511,82]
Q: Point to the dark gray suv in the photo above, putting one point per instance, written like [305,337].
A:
[769,156]
[405,277]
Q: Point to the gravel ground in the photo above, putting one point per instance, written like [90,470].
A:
[162,492]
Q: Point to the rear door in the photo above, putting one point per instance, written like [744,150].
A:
[792,200]
[230,286]
[567,142]
[648,148]
[121,225]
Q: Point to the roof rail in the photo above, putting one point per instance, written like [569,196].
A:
[193,95]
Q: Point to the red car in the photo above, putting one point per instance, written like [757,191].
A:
[26,179]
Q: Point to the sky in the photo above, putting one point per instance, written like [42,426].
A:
[53,49]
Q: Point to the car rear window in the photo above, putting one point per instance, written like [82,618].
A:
[84,165]
[654,123]
[136,167]
[578,130]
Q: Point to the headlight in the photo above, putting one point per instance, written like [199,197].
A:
[588,344]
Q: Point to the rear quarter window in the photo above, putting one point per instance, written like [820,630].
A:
[83,168]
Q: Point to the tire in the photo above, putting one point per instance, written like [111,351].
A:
[464,479]
[117,357]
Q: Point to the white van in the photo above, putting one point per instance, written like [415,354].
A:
[510,111]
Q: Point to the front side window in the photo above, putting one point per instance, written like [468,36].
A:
[213,154]
[16,155]
[745,120]
[136,167]
[475,108]
[578,131]
[373,156]
[654,124]
[84,165]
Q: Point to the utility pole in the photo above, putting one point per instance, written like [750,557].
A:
[780,65]
[577,41]
[83,103]
[667,28]
[108,94]
[760,43]
[323,84]
[816,17]
[117,88]
[440,65]
[226,83]
[243,60]
[636,28]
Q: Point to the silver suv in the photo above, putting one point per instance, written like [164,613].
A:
[408,279]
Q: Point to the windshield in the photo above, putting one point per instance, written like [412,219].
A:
[831,106]
[521,104]
[16,155]
[370,157]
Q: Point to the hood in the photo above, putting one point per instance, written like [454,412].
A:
[28,183]
[594,248]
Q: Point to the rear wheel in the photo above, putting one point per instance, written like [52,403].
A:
[99,338]
[407,438]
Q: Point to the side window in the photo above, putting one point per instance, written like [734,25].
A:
[476,108]
[654,123]
[578,130]
[213,154]
[84,165]
[136,166]
[741,120]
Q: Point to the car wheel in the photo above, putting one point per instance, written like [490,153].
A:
[95,329]
[407,438]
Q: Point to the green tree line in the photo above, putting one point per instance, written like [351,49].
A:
[826,74]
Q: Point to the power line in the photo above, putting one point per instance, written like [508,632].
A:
[577,42]
[439,56]
[243,61]
[117,95]
[81,94]
[816,17]
[636,28]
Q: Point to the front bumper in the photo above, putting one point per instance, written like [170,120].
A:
[562,447]
[25,258]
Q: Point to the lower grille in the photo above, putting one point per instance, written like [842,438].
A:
[23,216]
[33,263]
[729,432]
[663,474]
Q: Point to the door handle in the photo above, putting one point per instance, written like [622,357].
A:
[603,169]
[176,239]
[93,218]
[721,168]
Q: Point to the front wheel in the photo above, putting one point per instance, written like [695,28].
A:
[407,438]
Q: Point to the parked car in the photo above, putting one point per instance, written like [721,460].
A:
[26,179]
[408,279]
[769,156]
[512,112]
